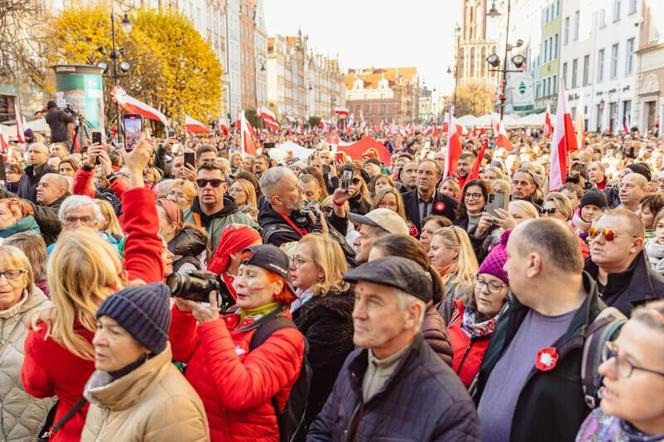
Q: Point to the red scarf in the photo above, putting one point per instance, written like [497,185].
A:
[234,239]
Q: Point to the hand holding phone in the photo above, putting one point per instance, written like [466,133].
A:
[346,179]
[133,130]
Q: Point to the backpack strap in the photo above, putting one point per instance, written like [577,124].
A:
[197,219]
[604,328]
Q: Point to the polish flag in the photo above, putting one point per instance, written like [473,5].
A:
[134,106]
[548,128]
[247,132]
[224,126]
[453,146]
[495,124]
[475,172]
[4,145]
[580,125]
[269,118]
[323,126]
[333,139]
[474,131]
[341,112]
[350,124]
[564,142]
[20,125]
[195,126]
[503,140]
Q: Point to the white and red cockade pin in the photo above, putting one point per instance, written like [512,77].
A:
[439,206]
[547,358]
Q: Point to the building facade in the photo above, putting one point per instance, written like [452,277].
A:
[548,83]
[648,109]
[474,46]
[377,94]
[325,87]
[260,45]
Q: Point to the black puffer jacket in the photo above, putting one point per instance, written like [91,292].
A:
[327,323]
[422,401]
[27,186]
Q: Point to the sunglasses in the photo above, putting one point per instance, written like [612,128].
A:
[550,211]
[607,234]
[214,183]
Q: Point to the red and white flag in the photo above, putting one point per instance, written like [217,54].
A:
[580,125]
[564,142]
[323,126]
[341,112]
[195,126]
[4,145]
[134,106]
[503,140]
[20,125]
[453,145]
[475,172]
[350,124]
[247,136]
[548,127]
[224,126]
[269,119]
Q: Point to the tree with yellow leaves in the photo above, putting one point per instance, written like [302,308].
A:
[475,99]
[172,67]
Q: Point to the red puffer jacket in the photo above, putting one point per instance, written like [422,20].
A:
[236,385]
[49,368]
[468,353]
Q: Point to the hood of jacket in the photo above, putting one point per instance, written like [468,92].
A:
[125,391]
[229,208]
[188,242]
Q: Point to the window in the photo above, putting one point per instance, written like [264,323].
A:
[565,73]
[555,84]
[632,6]
[629,57]
[575,65]
[546,50]
[616,10]
[600,66]
[577,18]
[614,62]
[555,46]
[566,31]
[586,69]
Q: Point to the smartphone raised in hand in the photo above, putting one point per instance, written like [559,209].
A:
[133,129]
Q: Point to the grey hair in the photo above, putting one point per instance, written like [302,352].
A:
[406,300]
[164,187]
[271,178]
[79,202]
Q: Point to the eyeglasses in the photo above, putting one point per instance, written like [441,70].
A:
[494,287]
[547,212]
[176,195]
[81,219]
[298,261]
[11,274]
[622,366]
[357,181]
[201,183]
[388,205]
[473,196]
[328,210]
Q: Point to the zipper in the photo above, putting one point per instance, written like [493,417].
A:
[465,353]
[352,427]
[105,412]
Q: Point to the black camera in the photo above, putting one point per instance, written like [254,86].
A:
[195,285]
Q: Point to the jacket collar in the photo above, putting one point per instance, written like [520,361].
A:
[124,392]
[635,282]
[229,208]
[27,302]
[358,367]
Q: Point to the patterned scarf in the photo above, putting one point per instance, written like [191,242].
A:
[477,329]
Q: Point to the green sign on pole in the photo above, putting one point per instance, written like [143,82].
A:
[82,88]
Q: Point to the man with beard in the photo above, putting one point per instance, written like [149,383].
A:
[213,210]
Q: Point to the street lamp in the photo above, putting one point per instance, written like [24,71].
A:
[115,55]
[260,61]
[494,59]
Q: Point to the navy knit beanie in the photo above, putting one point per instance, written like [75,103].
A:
[143,311]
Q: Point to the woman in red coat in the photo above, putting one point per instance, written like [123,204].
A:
[83,270]
[237,384]
[473,320]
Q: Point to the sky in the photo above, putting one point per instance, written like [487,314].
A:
[375,33]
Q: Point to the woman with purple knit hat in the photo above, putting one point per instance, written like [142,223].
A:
[474,317]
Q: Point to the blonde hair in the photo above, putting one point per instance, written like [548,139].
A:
[15,257]
[110,224]
[83,270]
[561,202]
[454,184]
[390,190]
[528,208]
[328,256]
[249,190]
[467,265]
[187,187]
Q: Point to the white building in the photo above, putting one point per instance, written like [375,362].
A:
[260,45]
[232,65]
[598,61]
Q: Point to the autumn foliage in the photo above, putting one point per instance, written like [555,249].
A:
[172,67]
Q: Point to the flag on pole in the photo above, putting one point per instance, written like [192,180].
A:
[341,112]
[350,124]
[503,140]
[548,128]
[20,126]
[224,126]
[4,145]
[564,142]
[269,119]
[580,125]
[246,134]
[195,126]
[134,106]
[453,145]
[475,172]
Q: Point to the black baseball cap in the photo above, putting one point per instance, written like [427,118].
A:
[268,257]
[395,271]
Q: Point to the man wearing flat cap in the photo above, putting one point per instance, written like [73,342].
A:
[394,386]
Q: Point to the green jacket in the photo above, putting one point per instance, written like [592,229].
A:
[214,224]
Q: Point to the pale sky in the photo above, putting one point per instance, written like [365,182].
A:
[375,33]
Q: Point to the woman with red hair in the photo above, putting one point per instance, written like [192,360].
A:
[236,382]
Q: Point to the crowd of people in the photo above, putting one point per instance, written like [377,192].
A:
[184,291]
